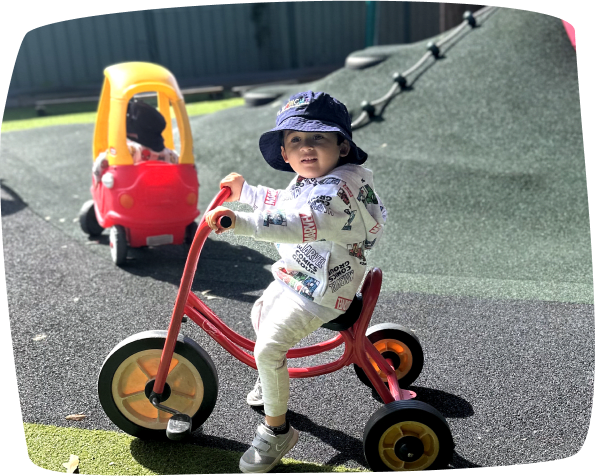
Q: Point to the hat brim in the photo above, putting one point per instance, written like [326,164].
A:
[270,144]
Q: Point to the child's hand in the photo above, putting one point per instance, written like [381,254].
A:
[212,219]
[235,182]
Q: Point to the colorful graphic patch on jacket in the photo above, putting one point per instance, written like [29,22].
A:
[302,283]
[351,214]
[275,217]
[342,194]
[343,304]
[309,230]
[271,197]
[357,250]
[367,195]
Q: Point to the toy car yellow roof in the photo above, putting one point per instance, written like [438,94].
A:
[123,81]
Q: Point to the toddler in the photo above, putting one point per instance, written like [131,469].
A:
[144,125]
[322,224]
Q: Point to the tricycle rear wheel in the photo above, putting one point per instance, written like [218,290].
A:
[127,376]
[407,435]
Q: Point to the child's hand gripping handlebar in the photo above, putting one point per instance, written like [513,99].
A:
[219,219]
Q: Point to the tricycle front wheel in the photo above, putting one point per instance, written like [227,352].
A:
[127,376]
[401,346]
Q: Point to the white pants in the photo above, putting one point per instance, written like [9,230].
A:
[280,322]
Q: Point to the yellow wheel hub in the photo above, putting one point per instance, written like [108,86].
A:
[405,357]
[391,437]
[130,380]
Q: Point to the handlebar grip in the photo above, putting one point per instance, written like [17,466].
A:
[225,222]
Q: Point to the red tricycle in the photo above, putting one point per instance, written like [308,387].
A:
[151,203]
[161,383]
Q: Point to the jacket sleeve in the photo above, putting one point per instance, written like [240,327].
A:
[259,197]
[325,216]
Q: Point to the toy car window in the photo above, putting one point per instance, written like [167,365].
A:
[151,98]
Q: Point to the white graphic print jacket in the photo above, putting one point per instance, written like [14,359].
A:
[322,228]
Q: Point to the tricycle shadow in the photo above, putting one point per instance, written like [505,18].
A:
[207,454]
[224,270]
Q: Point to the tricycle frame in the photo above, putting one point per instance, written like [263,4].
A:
[358,348]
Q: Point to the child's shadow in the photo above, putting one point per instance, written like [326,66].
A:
[224,270]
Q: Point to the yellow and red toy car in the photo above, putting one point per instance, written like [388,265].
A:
[150,203]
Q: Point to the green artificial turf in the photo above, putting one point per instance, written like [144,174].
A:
[108,452]
[26,118]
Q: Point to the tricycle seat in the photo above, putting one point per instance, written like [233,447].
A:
[346,320]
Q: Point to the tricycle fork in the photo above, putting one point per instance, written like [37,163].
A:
[394,391]
[364,350]
[175,322]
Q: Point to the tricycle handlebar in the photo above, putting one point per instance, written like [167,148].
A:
[225,222]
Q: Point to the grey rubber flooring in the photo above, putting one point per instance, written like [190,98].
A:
[486,257]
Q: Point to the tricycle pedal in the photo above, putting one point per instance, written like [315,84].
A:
[179,426]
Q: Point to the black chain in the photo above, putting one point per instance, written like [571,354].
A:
[372,109]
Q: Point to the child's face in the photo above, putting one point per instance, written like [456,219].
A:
[312,154]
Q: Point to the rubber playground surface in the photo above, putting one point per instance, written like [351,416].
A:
[486,256]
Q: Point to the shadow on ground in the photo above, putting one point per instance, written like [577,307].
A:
[11,201]
[167,457]
[203,454]
[226,270]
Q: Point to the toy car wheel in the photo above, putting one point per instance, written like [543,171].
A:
[190,232]
[127,376]
[117,244]
[407,435]
[88,219]
[399,344]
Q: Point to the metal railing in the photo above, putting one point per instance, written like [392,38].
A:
[372,109]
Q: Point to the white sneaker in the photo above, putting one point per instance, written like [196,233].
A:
[267,449]
[254,397]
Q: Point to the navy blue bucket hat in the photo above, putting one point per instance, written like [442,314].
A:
[309,112]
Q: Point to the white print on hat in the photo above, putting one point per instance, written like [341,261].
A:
[294,103]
